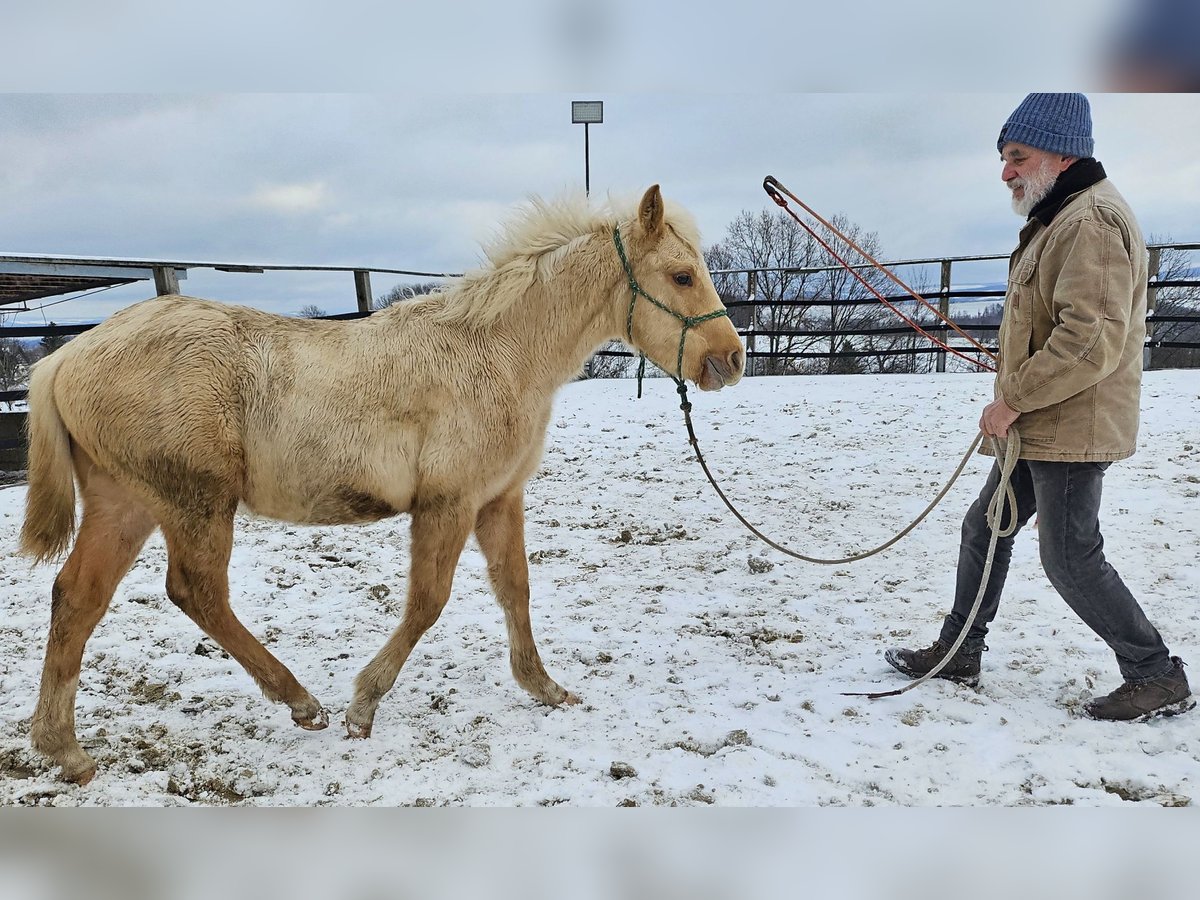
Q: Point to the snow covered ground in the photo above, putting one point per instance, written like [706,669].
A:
[711,668]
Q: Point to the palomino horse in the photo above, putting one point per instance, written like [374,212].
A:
[175,411]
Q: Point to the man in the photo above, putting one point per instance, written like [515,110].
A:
[1069,378]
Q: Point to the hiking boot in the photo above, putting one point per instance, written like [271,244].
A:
[1167,695]
[962,669]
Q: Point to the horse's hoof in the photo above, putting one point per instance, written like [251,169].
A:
[556,697]
[313,723]
[356,731]
[80,776]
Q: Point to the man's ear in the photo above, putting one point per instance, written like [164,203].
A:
[650,212]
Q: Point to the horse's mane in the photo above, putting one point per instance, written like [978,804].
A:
[532,244]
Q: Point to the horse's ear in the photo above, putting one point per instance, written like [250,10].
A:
[650,212]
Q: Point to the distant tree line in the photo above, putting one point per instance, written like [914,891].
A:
[972,322]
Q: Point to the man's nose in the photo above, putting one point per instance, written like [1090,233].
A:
[1008,173]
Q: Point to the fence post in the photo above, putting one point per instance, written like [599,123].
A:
[944,309]
[1151,303]
[751,290]
[166,281]
[362,289]
[833,335]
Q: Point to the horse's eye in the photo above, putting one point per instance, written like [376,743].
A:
[683,279]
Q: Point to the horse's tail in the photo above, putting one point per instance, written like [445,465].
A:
[50,503]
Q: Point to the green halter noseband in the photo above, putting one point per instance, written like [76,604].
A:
[635,291]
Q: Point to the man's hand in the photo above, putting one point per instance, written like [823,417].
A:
[996,418]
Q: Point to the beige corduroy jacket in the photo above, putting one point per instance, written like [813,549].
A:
[1073,328]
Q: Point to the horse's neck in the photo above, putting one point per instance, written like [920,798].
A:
[567,317]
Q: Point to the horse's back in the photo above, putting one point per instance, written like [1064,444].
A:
[151,395]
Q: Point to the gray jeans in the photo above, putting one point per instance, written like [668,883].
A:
[1066,496]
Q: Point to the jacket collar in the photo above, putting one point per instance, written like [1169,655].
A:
[1079,177]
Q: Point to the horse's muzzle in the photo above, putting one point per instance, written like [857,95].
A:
[720,371]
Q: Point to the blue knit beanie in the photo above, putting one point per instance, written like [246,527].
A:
[1058,123]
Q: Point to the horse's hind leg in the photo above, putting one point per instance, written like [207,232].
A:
[439,533]
[198,583]
[114,527]
[500,530]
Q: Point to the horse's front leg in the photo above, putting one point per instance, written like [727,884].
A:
[500,530]
[440,527]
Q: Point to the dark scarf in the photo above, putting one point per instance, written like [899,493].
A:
[1080,176]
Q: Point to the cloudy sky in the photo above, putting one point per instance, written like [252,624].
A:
[418,181]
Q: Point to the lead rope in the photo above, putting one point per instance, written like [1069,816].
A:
[1008,496]
[995,517]
[1006,451]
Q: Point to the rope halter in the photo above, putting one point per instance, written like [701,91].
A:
[635,291]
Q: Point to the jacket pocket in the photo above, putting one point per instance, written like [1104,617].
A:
[1041,425]
[1020,285]
[1017,333]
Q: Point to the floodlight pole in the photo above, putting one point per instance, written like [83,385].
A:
[587,113]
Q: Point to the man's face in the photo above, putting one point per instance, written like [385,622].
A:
[1030,173]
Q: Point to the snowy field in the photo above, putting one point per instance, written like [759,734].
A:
[711,668]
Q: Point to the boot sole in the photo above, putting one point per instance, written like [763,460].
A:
[897,664]
[1171,709]
[1163,712]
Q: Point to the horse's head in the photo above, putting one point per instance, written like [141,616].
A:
[673,312]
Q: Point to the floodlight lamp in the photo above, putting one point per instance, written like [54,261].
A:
[587,112]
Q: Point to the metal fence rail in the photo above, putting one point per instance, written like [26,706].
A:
[744,310]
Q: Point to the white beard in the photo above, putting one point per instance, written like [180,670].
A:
[1037,186]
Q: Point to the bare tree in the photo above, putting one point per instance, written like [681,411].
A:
[806,302]
[775,244]
[896,348]
[311,311]
[853,308]
[402,292]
